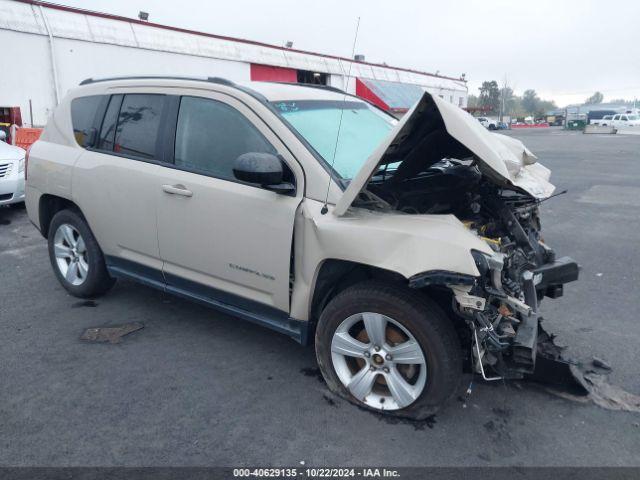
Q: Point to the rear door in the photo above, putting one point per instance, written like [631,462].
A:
[116,178]
[221,238]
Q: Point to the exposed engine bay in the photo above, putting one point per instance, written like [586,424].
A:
[501,307]
[441,161]
[507,220]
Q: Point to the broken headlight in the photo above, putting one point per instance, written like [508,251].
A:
[490,268]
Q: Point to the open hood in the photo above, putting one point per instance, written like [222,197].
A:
[435,129]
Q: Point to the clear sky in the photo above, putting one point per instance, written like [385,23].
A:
[564,49]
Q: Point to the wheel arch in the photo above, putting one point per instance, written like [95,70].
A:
[48,206]
[334,275]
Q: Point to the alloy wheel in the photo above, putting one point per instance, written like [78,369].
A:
[71,254]
[379,361]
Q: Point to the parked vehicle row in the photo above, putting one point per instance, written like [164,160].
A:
[403,250]
[11,173]
[621,120]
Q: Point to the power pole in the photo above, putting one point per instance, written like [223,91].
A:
[504,88]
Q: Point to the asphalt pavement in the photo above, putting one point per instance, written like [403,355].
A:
[198,388]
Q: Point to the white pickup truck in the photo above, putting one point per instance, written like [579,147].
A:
[624,120]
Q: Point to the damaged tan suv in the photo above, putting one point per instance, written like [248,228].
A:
[406,251]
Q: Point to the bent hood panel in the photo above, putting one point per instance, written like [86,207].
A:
[505,160]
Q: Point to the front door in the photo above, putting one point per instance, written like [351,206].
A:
[220,237]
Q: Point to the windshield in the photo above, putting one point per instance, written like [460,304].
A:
[363,129]
[633,117]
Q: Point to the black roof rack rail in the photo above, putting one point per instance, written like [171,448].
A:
[218,80]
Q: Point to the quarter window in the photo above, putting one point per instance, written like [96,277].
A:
[138,125]
[83,113]
[210,135]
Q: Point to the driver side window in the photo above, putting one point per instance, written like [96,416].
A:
[210,135]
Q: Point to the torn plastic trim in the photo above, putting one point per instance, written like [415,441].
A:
[466,300]
[559,272]
[440,277]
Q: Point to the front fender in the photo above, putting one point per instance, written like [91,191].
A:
[400,243]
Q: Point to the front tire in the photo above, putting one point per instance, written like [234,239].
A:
[76,257]
[389,349]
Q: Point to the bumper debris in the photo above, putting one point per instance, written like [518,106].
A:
[571,380]
[110,334]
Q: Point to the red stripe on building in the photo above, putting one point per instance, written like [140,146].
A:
[365,92]
[265,73]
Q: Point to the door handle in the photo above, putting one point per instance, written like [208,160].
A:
[177,190]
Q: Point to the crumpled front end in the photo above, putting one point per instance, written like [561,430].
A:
[439,161]
[501,306]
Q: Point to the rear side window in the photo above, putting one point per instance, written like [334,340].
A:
[107,136]
[138,125]
[210,135]
[83,114]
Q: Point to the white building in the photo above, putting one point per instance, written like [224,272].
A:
[48,49]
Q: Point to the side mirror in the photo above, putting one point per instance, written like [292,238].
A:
[263,169]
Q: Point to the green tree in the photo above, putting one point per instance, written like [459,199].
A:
[472,101]
[490,97]
[530,101]
[594,99]
[510,101]
[544,106]
[622,101]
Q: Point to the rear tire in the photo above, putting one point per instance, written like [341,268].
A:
[76,257]
[408,311]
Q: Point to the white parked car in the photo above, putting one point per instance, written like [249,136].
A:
[625,120]
[397,248]
[604,121]
[11,173]
[488,123]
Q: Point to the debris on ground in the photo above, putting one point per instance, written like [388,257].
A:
[598,362]
[112,334]
[605,395]
[552,369]
[571,380]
